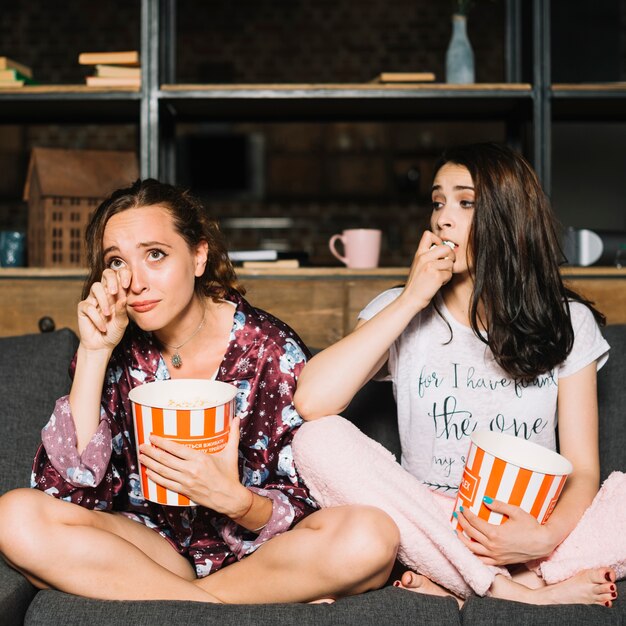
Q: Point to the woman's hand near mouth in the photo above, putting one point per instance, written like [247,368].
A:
[431,269]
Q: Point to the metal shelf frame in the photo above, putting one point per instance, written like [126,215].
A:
[160,103]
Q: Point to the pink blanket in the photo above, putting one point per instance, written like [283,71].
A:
[341,465]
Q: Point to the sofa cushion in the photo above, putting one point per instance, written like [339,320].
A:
[33,374]
[386,606]
[612,402]
[16,594]
[373,411]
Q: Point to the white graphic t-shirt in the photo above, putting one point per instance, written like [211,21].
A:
[447,388]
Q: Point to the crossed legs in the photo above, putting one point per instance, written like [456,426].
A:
[331,553]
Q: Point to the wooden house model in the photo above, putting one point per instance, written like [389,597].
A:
[63,188]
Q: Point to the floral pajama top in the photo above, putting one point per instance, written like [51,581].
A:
[264,359]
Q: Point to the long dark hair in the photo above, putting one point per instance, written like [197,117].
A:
[191,221]
[514,256]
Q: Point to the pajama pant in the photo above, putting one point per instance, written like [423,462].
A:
[341,465]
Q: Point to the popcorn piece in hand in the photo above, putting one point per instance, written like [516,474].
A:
[445,242]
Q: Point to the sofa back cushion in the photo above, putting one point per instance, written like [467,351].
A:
[612,403]
[33,374]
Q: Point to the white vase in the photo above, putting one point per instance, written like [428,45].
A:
[459,56]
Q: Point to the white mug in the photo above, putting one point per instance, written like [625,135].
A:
[361,247]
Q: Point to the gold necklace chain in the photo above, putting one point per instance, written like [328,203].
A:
[176,359]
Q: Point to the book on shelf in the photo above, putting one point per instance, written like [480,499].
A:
[282,263]
[253,255]
[115,71]
[14,75]
[243,256]
[113,81]
[129,57]
[10,64]
[405,77]
[11,83]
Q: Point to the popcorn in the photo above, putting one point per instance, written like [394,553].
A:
[195,403]
[445,242]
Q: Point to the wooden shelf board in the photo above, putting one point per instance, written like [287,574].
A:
[314,87]
[65,89]
[619,87]
[304,272]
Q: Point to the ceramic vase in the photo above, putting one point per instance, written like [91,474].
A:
[459,56]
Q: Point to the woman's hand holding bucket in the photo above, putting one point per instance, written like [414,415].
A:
[210,480]
[521,539]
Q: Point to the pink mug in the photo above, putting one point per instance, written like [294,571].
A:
[361,247]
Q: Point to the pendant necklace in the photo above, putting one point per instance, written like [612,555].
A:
[176,359]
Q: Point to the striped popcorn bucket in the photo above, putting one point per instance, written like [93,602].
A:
[193,412]
[513,470]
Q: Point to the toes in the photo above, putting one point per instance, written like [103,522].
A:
[602,576]
[411,580]
[608,575]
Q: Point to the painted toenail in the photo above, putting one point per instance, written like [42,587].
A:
[612,587]
[613,595]
[455,515]
[461,509]
[607,603]
[396,583]
[488,500]
[607,576]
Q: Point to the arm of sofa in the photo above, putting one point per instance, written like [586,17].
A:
[33,374]
[16,593]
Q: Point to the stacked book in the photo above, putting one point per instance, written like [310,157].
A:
[259,259]
[14,74]
[113,69]
[404,77]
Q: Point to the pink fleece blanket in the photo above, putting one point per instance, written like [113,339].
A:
[340,465]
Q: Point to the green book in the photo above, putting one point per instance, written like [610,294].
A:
[14,75]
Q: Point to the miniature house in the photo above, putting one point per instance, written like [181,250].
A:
[63,188]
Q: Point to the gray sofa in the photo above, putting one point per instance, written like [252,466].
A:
[33,373]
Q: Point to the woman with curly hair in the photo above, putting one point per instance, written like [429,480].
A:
[162,301]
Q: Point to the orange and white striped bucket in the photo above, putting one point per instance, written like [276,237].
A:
[194,412]
[512,470]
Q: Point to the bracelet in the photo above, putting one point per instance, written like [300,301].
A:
[247,510]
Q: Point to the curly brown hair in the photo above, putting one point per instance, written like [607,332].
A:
[191,221]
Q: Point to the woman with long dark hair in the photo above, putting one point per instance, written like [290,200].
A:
[483,336]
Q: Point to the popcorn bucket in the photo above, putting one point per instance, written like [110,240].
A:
[193,412]
[512,470]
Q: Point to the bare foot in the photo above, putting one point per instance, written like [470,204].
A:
[420,584]
[521,574]
[592,586]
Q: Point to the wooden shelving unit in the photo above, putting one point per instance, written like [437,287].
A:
[321,304]
[161,103]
